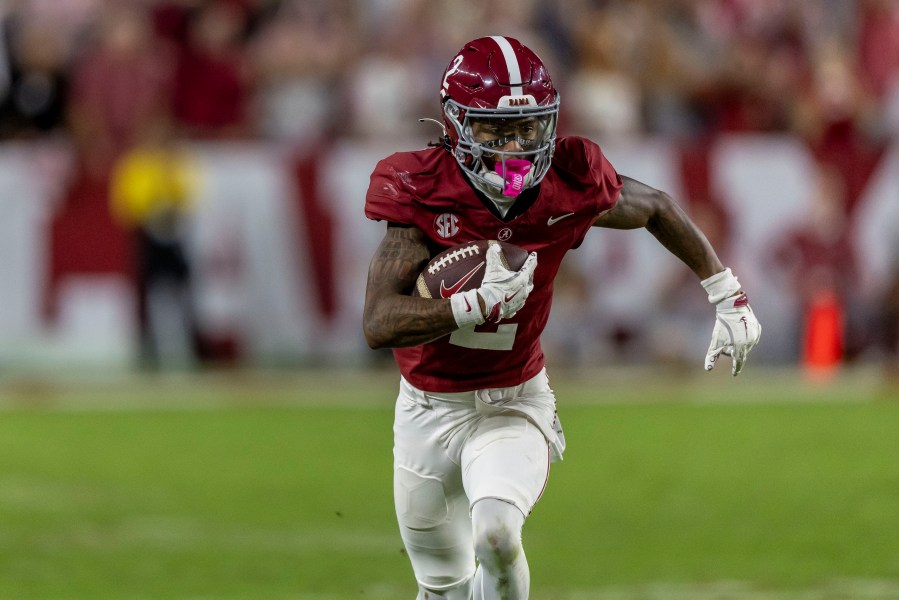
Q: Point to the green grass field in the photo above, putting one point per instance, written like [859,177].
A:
[278,486]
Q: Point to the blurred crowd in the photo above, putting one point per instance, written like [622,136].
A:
[105,71]
[112,76]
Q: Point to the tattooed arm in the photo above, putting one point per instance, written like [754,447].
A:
[391,317]
[643,206]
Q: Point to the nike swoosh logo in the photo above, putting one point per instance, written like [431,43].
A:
[507,298]
[446,292]
[554,220]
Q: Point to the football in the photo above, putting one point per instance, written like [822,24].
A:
[461,268]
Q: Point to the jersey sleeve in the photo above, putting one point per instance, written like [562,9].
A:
[388,197]
[586,167]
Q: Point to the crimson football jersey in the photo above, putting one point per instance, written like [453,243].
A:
[427,189]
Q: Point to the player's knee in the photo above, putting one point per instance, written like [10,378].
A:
[497,532]
[436,591]
[497,545]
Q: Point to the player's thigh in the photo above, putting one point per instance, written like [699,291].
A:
[431,506]
[507,458]
[436,532]
[423,469]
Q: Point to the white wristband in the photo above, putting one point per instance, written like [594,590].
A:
[721,285]
[466,309]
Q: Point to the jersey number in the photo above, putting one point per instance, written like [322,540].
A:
[501,339]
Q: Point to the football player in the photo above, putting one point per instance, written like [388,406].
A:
[475,425]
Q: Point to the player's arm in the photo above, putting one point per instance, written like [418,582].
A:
[392,318]
[736,329]
[640,205]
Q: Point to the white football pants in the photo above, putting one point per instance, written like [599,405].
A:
[456,451]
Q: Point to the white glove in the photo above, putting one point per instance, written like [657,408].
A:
[735,333]
[503,291]
[736,329]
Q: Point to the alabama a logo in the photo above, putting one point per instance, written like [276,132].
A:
[504,234]
[446,225]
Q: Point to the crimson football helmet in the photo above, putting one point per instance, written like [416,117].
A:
[499,86]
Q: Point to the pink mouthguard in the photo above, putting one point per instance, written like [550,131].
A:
[516,169]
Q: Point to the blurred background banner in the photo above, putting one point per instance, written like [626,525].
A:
[182,181]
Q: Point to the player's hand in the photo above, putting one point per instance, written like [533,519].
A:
[736,332]
[503,291]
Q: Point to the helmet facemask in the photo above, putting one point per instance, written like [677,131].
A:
[481,132]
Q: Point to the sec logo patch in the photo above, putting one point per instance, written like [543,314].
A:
[446,225]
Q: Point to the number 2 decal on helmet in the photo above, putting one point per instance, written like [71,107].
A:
[449,71]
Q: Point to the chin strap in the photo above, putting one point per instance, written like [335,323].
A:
[514,172]
[502,190]
[509,177]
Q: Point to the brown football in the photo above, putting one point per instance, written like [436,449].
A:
[461,268]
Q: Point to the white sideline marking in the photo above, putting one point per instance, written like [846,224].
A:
[175,534]
[836,589]
[376,389]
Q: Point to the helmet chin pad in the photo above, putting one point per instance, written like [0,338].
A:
[513,172]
